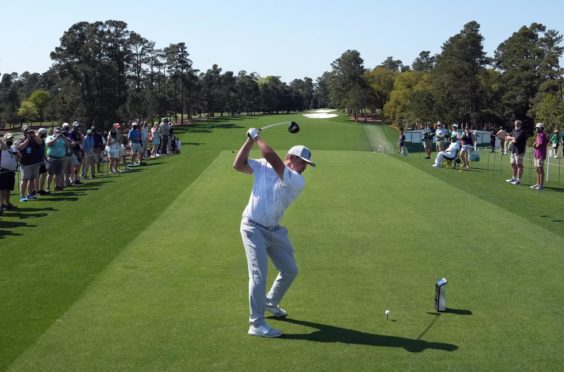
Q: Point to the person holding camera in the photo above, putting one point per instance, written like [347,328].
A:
[8,165]
[31,159]
[56,154]
[76,140]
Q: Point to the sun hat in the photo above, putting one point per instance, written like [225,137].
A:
[57,130]
[8,135]
[42,131]
[66,125]
[134,124]
[303,153]
[540,125]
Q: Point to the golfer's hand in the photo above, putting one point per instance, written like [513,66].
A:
[253,133]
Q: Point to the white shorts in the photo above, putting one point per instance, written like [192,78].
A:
[517,158]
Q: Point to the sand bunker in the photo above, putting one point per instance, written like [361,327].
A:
[321,114]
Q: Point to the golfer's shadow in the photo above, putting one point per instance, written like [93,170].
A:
[328,333]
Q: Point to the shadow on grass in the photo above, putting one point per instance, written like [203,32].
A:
[11,225]
[329,333]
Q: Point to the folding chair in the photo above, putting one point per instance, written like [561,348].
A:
[452,161]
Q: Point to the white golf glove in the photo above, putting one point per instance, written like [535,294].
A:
[253,133]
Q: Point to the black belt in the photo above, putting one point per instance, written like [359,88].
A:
[253,222]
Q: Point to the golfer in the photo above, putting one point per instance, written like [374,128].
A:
[276,184]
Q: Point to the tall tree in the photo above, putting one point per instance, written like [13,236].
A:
[456,84]
[348,86]
[411,99]
[528,61]
[381,80]
[93,58]
[178,66]
[424,62]
[40,99]
[392,64]
[248,92]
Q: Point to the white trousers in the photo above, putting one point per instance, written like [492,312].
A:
[441,155]
[260,243]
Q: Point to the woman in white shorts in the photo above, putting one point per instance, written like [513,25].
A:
[113,147]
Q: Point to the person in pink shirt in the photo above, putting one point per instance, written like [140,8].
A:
[540,145]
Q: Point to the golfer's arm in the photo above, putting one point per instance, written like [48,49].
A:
[241,164]
[271,157]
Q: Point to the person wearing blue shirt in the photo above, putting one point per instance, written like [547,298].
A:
[135,143]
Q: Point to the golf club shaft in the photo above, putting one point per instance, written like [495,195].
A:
[273,125]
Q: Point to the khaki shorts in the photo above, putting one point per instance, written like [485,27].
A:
[517,158]
[539,163]
[30,171]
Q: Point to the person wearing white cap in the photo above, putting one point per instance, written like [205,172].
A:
[277,183]
[539,155]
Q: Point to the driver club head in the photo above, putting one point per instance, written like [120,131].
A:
[293,127]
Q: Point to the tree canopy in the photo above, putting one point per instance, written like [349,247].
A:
[103,72]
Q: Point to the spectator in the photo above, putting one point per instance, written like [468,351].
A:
[76,142]
[401,143]
[40,184]
[164,132]
[518,139]
[9,156]
[428,141]
[31,158]
[493,136]
[449,153]
[99,144]
[503,144]
[555,141]
[144,140]
[440,135]
[134,137]
[114,147]
[156,141]
[178,145]
[540,145]
[466,145]
[67,160]
[56,159]
[456,133]
[89,155]
[562,141]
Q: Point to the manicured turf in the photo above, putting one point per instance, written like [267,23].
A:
[146,271]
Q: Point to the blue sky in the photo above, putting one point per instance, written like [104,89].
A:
[288,38]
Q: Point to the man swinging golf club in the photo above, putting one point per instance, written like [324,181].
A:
[276,184]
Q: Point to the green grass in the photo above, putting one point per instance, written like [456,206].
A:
[146,271]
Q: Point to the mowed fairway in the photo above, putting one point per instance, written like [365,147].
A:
[369,236]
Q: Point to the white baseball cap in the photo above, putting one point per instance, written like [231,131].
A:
[540,125]
[303,153]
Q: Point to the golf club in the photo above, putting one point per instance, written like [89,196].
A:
[293,127]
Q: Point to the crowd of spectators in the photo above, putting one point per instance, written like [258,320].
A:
[50,160]
[462,143]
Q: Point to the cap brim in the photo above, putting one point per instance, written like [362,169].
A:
[308,161]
